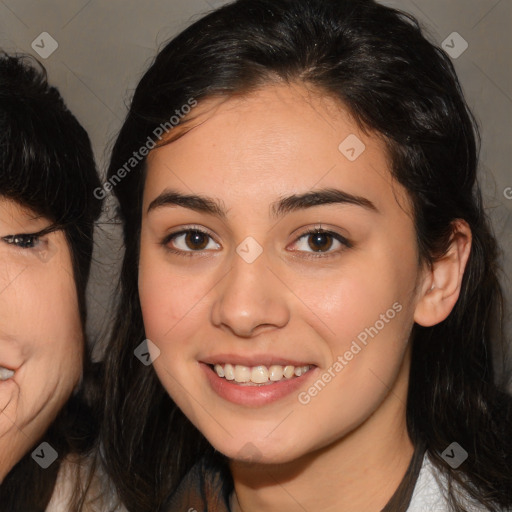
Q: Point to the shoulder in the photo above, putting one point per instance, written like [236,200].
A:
[79,477]
[430,492]
[63,490]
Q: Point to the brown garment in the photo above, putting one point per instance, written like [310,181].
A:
[199,491]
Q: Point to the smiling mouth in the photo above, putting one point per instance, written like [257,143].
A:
[259,375]
[5,373]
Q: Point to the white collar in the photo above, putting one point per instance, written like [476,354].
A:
[431,489]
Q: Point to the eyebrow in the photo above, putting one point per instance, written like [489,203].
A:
[191,201]
[281,207]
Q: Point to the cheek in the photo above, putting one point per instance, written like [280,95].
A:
[163,300]
[370,315]
[54,305]
[341,304]
[42,317]
[169,300]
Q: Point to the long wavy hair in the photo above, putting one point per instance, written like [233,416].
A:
[47,165]
[396,83]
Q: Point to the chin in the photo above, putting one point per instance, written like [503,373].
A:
[247,449]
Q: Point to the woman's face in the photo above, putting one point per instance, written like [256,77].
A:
[40,331]
[278,275]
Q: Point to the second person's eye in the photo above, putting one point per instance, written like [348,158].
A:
[24,241]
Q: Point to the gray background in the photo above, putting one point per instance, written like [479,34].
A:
[104,47]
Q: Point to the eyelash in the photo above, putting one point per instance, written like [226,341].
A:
[22,240]
[326,254]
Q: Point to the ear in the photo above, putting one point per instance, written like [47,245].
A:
[440,287]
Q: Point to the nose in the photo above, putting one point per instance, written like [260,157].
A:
[250,300]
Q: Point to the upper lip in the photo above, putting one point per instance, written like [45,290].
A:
[9,366]
[253,360]
[9,359]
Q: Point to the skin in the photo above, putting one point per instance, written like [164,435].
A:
[40,332]
[348,447]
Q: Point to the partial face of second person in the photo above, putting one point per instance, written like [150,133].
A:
[268,268]
[40,330]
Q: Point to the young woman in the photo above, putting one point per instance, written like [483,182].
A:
[310,269]
[47,213]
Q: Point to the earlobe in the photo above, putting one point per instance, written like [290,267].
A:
[441,285]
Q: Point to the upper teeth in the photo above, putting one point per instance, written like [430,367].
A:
[259,374]
[5,373]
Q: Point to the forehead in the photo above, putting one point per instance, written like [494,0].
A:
[274,141]
[13,211]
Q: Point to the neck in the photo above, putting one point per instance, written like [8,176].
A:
[357,473]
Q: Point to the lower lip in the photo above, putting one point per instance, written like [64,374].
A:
[254,396]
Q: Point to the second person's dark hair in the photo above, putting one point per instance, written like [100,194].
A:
[47,165]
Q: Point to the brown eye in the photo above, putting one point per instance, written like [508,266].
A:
[196,240]
[190,241]
[320,242]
